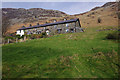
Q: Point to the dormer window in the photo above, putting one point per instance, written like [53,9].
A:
[55,21]
[65,19]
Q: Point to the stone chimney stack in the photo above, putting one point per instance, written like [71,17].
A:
[30,25]
[38,24]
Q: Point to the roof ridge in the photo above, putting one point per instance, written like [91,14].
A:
[50,24]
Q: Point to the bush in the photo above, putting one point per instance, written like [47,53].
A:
[93,13]
[88,15]
[8,37]
[99,20]
[114,36]
[44,34]
[34,36]
[19,37]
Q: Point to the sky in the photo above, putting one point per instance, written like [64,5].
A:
[67,7]
[57,0]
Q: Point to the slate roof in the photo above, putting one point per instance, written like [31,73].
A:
[51,24]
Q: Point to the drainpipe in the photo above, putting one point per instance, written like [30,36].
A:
[75,26]
[79,22]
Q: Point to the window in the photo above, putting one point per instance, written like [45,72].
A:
[67,25]
[55,26]
[67,30]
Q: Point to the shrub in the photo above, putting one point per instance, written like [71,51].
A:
[114,36]
[88,15]
[34,36]
[93,13]
[19,37]
[99,20]
[28,36]
[11,36]
[8,37]
[44,34]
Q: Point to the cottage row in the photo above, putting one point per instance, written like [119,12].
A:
[66,26]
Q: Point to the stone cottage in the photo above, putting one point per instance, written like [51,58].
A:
[65,26]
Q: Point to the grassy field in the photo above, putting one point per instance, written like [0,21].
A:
[73,55]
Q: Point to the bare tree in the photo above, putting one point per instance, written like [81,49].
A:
[5,25]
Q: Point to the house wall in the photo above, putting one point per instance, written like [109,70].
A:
[54,28]
[77,24]
[20,32]
[78,27]
[71,27]
[35,31]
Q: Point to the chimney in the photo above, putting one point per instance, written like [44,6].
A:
[23,26]
[30,25]
[38,24]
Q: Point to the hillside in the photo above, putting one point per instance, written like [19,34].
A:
[30,15]
[108,15]
[89,54]
[23,16]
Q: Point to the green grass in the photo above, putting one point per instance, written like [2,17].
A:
[73,55]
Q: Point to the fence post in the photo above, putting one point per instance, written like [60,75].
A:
[8,41]
[16,40]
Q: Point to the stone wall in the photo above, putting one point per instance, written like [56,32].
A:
[60,28]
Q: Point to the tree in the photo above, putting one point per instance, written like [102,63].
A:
[5,25]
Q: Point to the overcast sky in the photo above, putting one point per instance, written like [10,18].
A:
[67,7]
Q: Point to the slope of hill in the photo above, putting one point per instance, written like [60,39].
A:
[104,16]
[30,15]
[23,16]
[106,13]
[73,55]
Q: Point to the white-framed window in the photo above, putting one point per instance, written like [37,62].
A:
[20,32]
[67,30]
[67,25]
[55,26]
